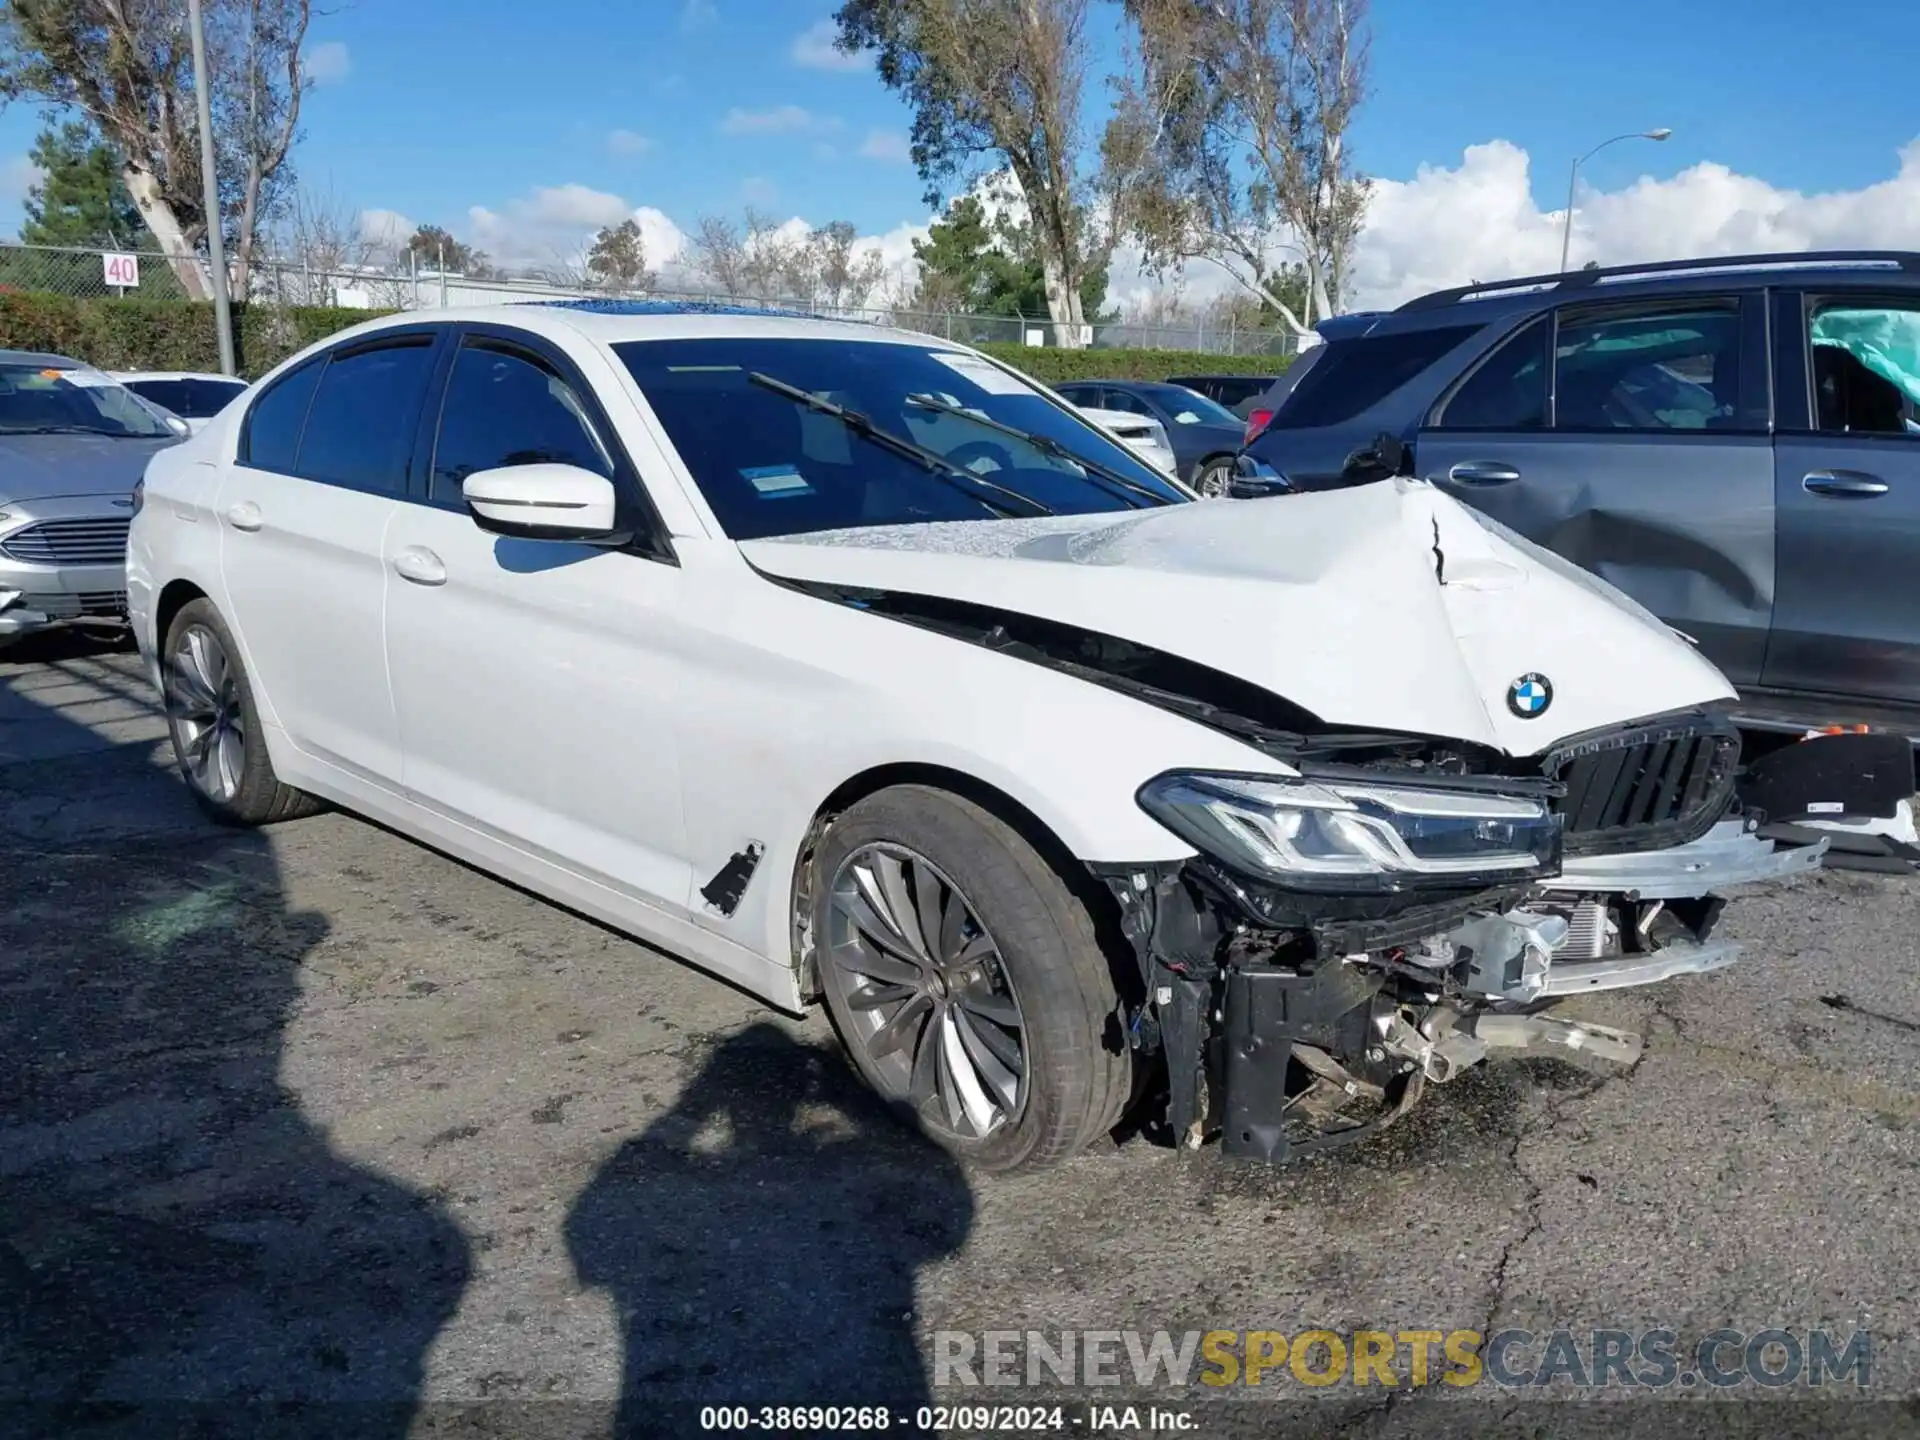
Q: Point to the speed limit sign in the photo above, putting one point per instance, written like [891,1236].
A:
[121,270]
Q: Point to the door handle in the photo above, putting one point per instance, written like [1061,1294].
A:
[1483,472]
[244,516]
[422,567]
[1844,484]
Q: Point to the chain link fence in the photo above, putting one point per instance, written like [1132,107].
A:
[94,274]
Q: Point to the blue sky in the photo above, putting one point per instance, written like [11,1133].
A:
[432,107]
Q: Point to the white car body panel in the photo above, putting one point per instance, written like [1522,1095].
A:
[1330,600]
[609,730]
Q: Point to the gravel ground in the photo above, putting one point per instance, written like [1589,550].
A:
[315,1115]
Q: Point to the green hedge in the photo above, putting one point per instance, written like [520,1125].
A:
[1053,366]
[179,335]
[161,334]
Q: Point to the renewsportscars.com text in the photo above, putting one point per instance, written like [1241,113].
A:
[1511,1359]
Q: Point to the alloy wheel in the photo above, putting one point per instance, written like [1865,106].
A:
[203,707]
[930,1002]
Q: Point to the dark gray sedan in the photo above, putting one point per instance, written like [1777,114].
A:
[1205,435]
[73,444]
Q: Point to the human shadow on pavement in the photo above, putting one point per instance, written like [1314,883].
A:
[761,1240]
[181,1250]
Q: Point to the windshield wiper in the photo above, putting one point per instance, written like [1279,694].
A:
[1045,444]
[932,461]
[75,430]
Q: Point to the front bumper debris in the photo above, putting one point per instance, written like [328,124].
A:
[1731,854]
[1290,1036]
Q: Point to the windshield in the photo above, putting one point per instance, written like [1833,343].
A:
[189,399]
[769,466]
[54,400]
[1190,407]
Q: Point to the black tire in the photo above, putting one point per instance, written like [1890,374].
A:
[259,798]
[1212,478]
[1078,1071]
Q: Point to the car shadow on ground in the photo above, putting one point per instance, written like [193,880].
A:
[179,1246]
[761,1241]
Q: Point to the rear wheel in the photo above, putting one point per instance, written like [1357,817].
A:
[964,977]
[215,725]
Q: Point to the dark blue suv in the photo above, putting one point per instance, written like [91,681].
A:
[1734,442]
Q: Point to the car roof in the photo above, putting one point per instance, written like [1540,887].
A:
[42,357]
[1483,301]
[613,322]
[1220,375]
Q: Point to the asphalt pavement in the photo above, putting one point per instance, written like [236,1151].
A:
[318,1118]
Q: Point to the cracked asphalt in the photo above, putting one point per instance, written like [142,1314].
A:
[316,1115]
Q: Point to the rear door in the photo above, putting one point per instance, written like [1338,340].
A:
[322,462]
[1848,484]
[1633,439]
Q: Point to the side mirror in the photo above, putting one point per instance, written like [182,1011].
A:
[543,502]
[178,426]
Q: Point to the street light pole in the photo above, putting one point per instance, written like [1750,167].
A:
[210,181]
[1573,180]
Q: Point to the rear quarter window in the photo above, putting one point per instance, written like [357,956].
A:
[1350,376]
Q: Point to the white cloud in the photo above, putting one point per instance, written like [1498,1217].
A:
[813,49]
[627,142]
[328,63]
[888,145]
[697,15]
[781,120]
[386,227]
[1475,220]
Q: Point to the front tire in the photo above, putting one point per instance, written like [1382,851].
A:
[965,979]
[215,725]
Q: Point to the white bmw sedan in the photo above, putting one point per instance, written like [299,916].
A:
[856,668]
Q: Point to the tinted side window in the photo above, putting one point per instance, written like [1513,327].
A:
[1672,370]
[206,398]
[1866,369]
[1354,374]
[1509,389]
[360,427]
[272,439]
[504,407]
[1130,404]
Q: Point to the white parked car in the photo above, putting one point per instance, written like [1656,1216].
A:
[196,398]
[1142,434]
[853,667]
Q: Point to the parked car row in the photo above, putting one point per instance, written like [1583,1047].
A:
[855,667]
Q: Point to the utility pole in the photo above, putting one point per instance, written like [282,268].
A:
[216,244]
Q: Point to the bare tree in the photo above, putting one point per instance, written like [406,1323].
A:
[1251,102]
[828,269]
[719,254]
[127,64]
[999,82]
[317,239]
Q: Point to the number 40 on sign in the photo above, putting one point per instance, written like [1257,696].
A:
[121,270]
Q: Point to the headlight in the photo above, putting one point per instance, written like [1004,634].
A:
[1356,834]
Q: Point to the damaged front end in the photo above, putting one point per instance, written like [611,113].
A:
[1298,1010]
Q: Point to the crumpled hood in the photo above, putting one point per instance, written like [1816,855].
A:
[42,467]
[1387,606]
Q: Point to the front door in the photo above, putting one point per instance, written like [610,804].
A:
[1848,482]
[535,679]
[323,459]
[1633,440]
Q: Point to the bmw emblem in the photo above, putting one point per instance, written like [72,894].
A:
[1529,696]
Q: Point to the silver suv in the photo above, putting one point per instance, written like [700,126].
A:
[73,444]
